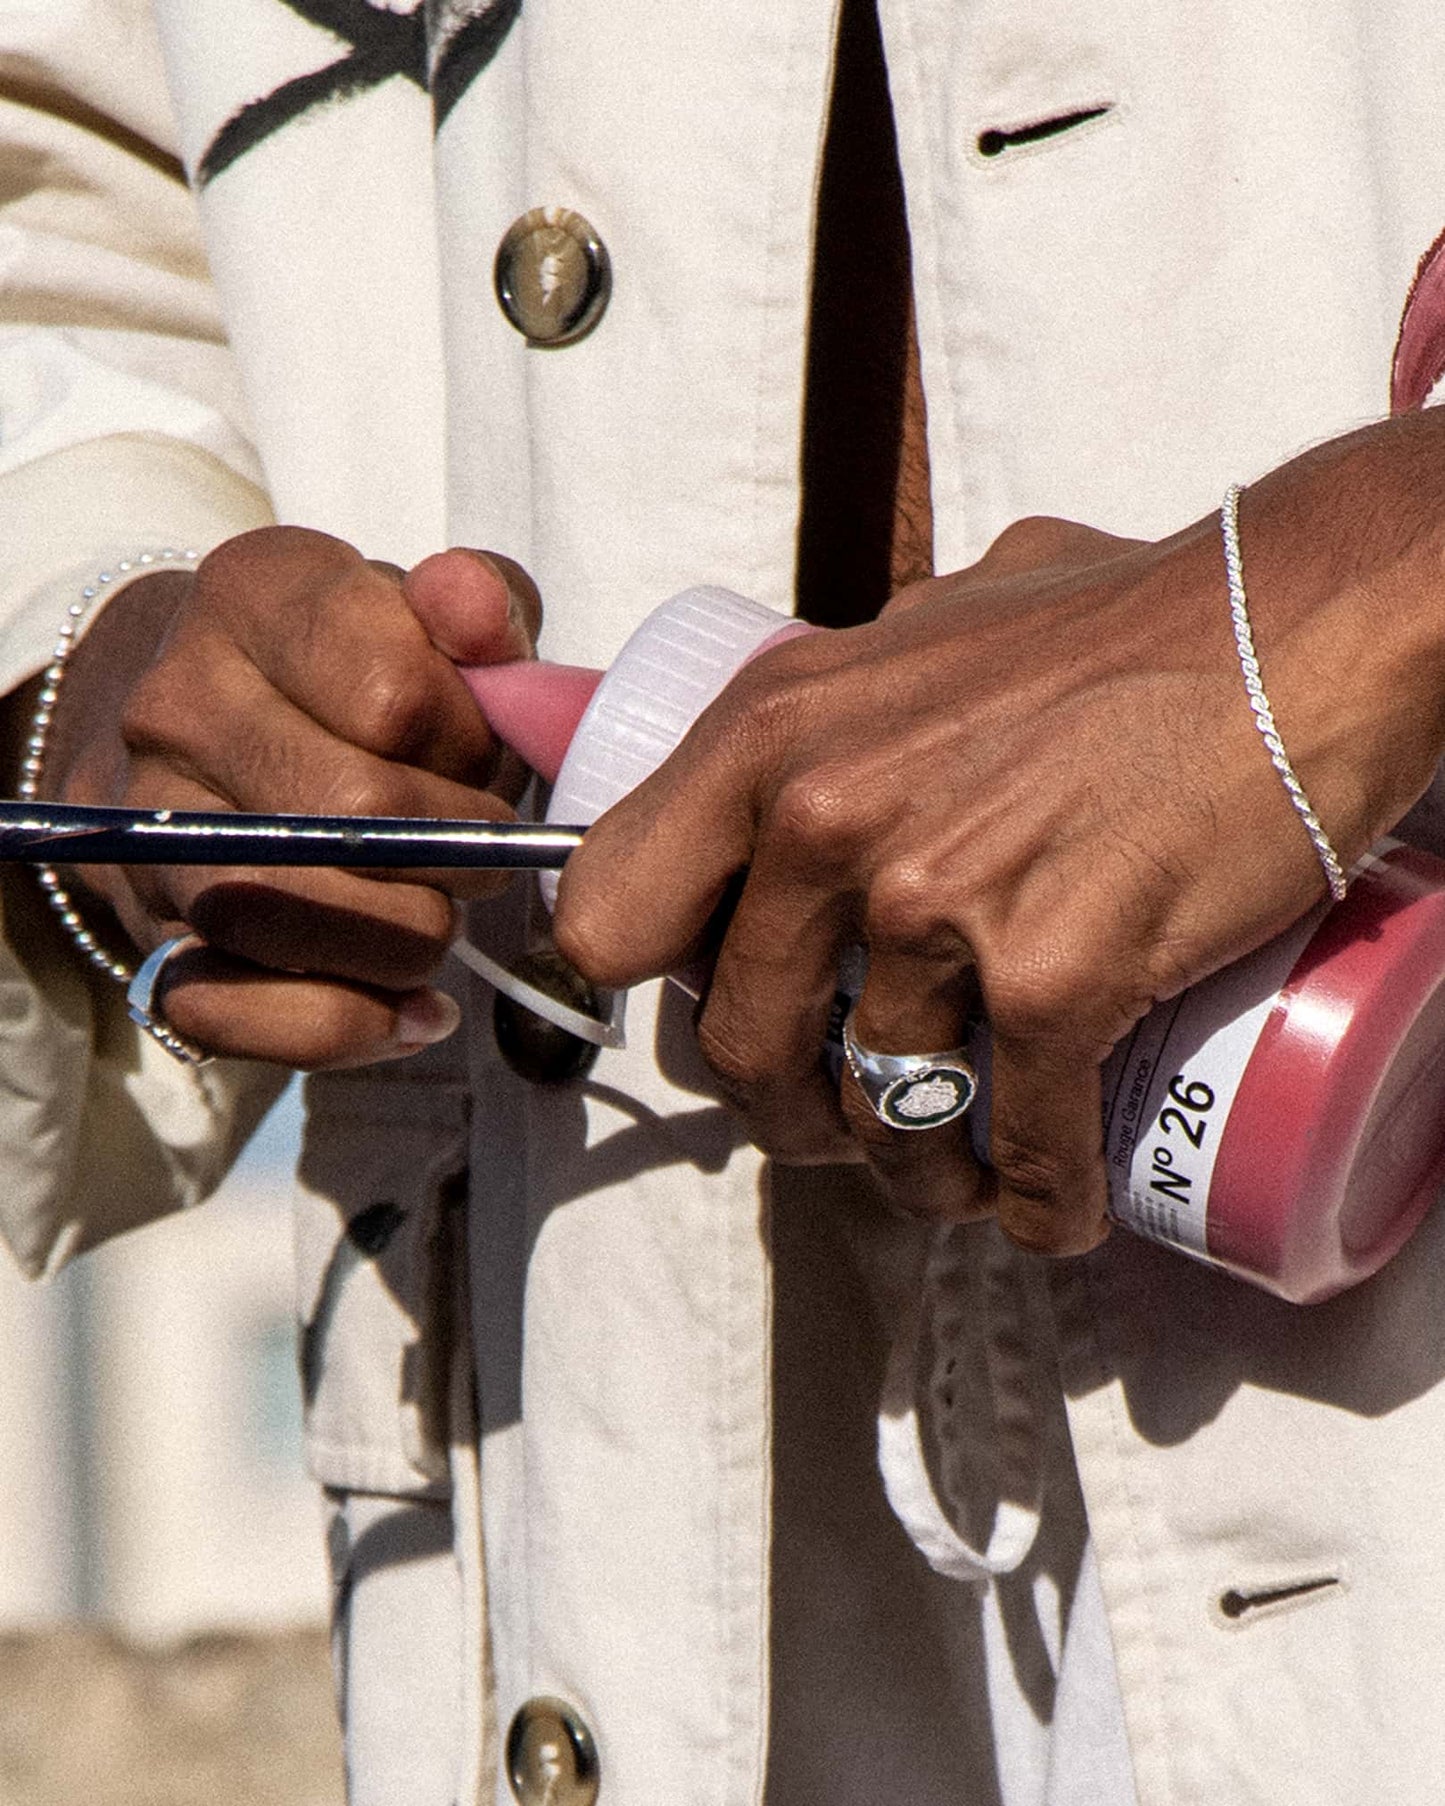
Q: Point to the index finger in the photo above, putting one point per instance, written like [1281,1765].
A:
[334,635]
[637,897]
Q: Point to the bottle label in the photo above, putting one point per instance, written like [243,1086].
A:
[1169,1087]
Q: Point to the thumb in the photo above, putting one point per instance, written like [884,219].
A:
[479,608]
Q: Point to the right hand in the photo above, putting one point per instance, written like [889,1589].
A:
[290,674]
[1034,787]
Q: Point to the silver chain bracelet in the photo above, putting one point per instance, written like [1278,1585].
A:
[33,764]
[1259,702]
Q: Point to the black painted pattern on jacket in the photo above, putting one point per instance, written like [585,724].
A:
[441,48]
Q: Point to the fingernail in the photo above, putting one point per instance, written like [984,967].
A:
[517,616]
[491,566]
[427,1017]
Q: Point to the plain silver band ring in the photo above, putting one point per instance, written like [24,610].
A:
[140,1000]
[911,1091]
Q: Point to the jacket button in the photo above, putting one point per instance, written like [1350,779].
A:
[551,1758]
[553,276]
[535,1049]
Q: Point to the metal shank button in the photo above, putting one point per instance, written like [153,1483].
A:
[553,276]
[537,1050]
[551,1758]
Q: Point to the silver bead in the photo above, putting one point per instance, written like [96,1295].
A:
[55,893]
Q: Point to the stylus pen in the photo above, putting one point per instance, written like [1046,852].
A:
[73,834]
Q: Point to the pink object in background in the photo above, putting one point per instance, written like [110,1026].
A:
[1285,1118]
[1419,361]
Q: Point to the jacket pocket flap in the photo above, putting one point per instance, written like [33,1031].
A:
[380,1248]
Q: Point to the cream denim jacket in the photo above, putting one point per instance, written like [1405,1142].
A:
[678,1360]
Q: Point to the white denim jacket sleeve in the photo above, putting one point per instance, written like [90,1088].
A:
[121,431]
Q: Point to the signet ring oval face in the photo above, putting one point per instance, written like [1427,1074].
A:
[911,1091]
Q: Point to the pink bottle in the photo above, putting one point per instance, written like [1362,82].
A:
[1284,1119]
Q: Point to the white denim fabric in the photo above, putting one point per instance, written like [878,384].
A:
[679,1357]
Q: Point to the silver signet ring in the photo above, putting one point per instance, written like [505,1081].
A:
[911,1091]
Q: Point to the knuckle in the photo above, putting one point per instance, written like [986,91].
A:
[736,1064]
[390,705]
[266,573]
[1028,541]
[166,710]
[816,814]
[909,905]
[780,1091]
[314,591]
[152,710]
[240,562]
[363,787]
[584,941]
[1032,1172]
[1021,532]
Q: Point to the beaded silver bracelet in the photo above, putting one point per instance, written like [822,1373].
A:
[28,789]
[1259,702]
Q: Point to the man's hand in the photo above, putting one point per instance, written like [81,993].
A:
[1034,786]
[290,674]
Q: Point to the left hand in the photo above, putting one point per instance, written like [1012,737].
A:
[290,673]
[1036,784]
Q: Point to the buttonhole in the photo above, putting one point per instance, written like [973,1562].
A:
[1237,1604]
[997,139]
